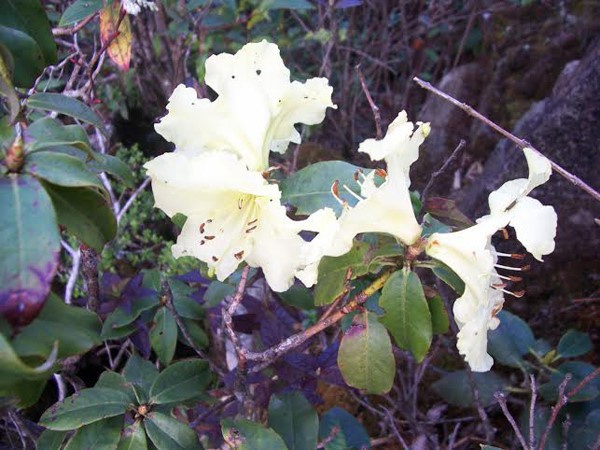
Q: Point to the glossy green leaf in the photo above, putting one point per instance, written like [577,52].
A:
[166,432]
[13,370]
[88,406]
[350,433]
[407,315]
[141,372]
[85,212]
[511,340]
[447,275]
[440,323]
[79,10]
[76,331]
[103,434]
[27,55]
[7,89]
[29,16]
[51,440]
[30,244]
[574,343]
[295,420]
[163,336]
[365,356]
[180,381]
[334,273]
[48,133]
[65,105]
[195,332]
[61,169]
[309,189]
[298,297]
[133,437]
[113,166]
[122,315]
[455,387]
[245,435]
[216,292]
[116,381]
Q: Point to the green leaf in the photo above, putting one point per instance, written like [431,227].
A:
[51,440]
[407,315]
[61,169]
[578,370]
[49,133]
[133,437]
[29,16]
[334,272]
[196,333]
[27,55]
[350,434]
[365,356]
[140,372]
[511,340]
[447,209]
[574,343]
[216,292]
[448,276]
[30,244]
[103,434]
[75,329]
[180,381]
[440,323]
[295,420]
[6,87]
[65,105]
[168,433]
[309,189]
[113,166]
[245,435]
[122,315]
[84,212]
[163,336]
[79,10]
[289,4]
[113,380]
[299,297]
[455,387]
[88,406]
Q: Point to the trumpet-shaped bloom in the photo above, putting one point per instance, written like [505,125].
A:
[233,214]
[255,111]
[470,254]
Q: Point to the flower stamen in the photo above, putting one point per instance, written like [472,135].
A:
[517,269]
[335,191]
[352,193]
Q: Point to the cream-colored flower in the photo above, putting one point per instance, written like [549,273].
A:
[133,7]
[255,111]
[233,215]
[471,255]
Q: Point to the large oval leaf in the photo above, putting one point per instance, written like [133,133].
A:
[163,335]
[168,433]
[88,406]
[245,435]
[29,247]
[407,315]
[295,420]
[79,10]
[309,189]
[511,340]
[104,434]
[85,212]
[350,434]
[61,169]
[180,381]
[65,105]
[49,132]
[365,356]
[133,437]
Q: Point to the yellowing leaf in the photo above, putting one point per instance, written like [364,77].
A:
[116,31]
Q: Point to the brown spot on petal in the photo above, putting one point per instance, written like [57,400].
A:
[239,255]
[215,259]
[209,238]
[201,227]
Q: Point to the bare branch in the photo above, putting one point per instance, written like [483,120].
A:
[374,107]
[455,154]
[502,401]
[533,386]
[89,268]
[560,402]
[520,142]
[141,188]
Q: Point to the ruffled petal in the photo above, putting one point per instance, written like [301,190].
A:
[255,111]
[535,225]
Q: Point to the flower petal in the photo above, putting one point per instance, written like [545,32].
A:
[535,225]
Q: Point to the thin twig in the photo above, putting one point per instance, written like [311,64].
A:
[60,386]
[89,268]
[565,432]
[533,386]
[584,382]
[500,397]
[520,142]
[560,402]
[74,29]
[395,430]
[272,353]
[374,107]
[132,198]
[213,409]
[74,274]
[457,151]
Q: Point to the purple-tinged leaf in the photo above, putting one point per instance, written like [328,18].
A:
[29,243]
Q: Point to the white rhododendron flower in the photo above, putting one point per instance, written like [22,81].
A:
[133,7]
[470,254]
[255,111]
[380,209]
[233,215]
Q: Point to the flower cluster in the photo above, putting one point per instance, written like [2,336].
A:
[217,177]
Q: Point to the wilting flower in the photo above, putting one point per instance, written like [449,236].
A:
[471,255]
[233,215]
[255,111]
